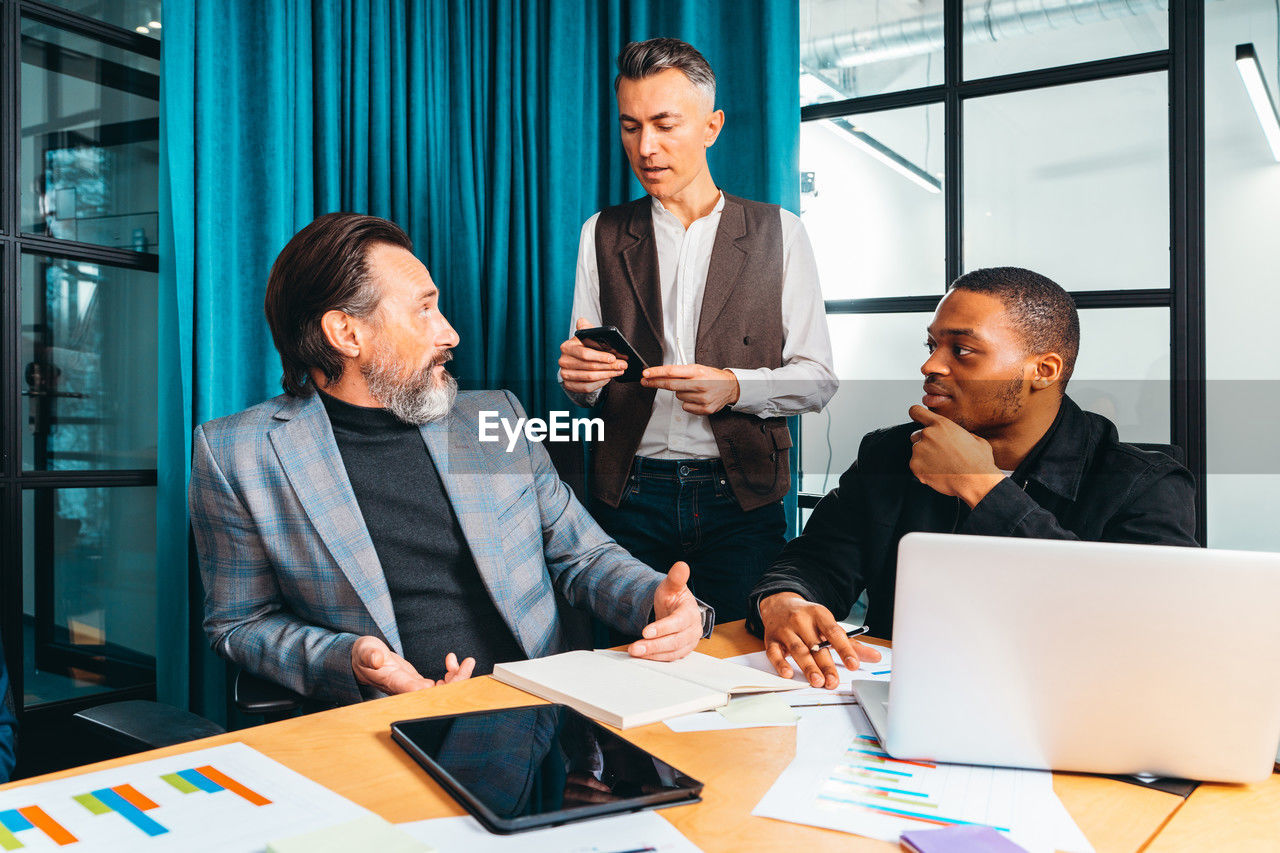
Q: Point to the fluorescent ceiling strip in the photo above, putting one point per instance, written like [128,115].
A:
[1256,85]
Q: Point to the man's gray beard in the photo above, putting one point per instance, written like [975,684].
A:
[418,399]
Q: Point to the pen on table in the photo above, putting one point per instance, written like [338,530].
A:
[826,644]
[640,850]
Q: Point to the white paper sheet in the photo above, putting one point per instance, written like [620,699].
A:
[841,779]
[878,671]
[645,830]
[220,820]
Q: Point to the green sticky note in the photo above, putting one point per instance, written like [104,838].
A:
[764,709]
[367,833]
[92,803]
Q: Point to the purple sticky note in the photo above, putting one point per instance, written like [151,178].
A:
[958,839]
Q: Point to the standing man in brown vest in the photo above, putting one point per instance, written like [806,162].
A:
[720,297]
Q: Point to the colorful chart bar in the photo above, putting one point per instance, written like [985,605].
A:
[941,821]
[178,782]
[232,785]
[124,806]
[211,780]
[31,817]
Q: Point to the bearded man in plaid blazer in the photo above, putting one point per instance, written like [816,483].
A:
[355,534]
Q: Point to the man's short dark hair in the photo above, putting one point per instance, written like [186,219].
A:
[1041,310]
[323,268]
[641,59]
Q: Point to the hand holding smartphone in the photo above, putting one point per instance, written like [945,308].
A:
[609,339]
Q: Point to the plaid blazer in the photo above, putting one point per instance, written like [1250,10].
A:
[290,574]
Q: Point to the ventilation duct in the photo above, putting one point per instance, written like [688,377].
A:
[991,21]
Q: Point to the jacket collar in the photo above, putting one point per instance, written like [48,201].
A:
[1058,460]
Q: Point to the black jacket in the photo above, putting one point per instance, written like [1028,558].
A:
[1078,482]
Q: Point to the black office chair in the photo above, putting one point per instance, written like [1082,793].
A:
[135,725]
[1173,451]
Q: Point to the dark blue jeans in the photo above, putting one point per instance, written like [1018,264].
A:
[683,509]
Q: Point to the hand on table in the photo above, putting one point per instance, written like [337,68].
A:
[374,663]
[701,390]
[583,369]
[793,626]
[949,459]
[678,625]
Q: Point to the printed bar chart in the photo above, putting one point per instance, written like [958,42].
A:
[227,798]
[871,779]
[13,821]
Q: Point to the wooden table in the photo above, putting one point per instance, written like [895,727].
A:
[350,751]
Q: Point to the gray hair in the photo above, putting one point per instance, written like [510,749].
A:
[641,59]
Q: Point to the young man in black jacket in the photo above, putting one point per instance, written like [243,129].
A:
[996,449]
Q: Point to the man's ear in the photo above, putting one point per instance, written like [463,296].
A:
[343,332]
[715,123]
[1046,371]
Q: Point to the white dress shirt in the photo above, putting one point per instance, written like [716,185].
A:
[804,383]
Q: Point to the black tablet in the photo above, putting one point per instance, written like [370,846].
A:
[523,768]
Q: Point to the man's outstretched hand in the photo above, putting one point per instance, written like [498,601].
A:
[794,626]
[678,625]
[374,663]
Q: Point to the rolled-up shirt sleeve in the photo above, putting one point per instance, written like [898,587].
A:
[586,301]
[806,381]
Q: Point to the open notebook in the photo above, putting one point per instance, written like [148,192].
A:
[615,688]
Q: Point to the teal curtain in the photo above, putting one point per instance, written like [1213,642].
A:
[486,129]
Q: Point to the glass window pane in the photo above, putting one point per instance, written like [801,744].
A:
[89,591]
[1005,36]
[872,202]
[853,48]
[87,368]
[141,16]
[1242,254]
[1072,182]
[90,131]
[877,358]
[1122,372]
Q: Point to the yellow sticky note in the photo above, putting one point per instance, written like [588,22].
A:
[764,709]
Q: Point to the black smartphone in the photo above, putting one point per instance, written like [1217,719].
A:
[609,339]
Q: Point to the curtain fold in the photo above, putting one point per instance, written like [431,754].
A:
[486,129]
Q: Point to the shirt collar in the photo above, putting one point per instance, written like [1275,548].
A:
[659,209]
[1057,461]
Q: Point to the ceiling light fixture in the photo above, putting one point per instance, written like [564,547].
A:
[868,144]
[142,30]
[1256,85]
[155,25]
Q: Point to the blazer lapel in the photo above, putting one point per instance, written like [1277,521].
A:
[464,471]
[727,259]
[309,455]
[640,261]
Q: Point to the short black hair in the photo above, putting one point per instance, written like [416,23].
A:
[323,268]
[1041,310]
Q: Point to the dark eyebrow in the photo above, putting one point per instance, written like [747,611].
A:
[953,333]
[429,292]
[658,117]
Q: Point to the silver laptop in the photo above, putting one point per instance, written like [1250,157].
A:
[1085,656]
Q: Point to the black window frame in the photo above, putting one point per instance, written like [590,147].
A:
[1183,61]
[14,482]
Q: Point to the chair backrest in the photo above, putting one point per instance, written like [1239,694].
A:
[1173,451]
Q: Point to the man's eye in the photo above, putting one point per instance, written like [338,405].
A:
[629,128]
[666,127]
[930,346]
[961,350]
